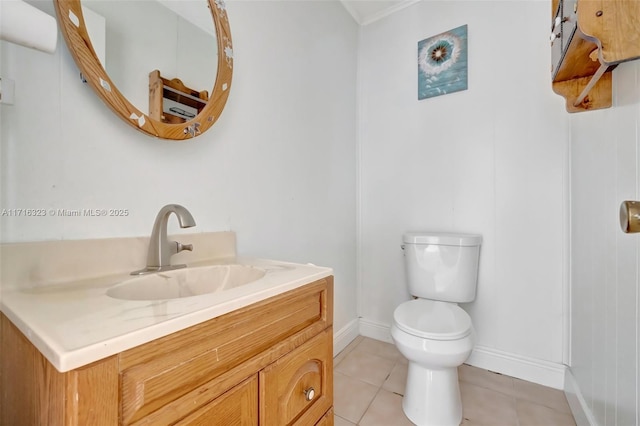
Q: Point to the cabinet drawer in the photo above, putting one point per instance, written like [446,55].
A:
[238,406]
[298,388]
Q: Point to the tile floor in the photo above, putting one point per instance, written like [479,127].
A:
[369,378]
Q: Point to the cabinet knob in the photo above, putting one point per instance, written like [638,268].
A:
[309,394]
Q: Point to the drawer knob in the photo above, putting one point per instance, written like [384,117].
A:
[309,394]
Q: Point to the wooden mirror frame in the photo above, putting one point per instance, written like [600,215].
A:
[75,33]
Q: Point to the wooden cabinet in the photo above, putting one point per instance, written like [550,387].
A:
[253,366]
[589,39]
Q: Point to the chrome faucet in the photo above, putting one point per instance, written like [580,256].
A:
[160,248]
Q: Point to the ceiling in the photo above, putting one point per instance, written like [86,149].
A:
[368,11]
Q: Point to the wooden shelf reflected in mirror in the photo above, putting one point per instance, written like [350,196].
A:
[170,101]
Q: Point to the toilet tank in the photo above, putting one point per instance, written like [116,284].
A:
[442,266]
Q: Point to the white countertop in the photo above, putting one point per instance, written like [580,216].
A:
[76,323]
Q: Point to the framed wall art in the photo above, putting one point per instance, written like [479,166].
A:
[442,63]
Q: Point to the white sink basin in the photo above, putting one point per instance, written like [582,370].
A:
[185,282]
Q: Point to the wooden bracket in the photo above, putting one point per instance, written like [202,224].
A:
[598,96]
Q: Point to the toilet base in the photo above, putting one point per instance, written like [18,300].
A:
[432,397]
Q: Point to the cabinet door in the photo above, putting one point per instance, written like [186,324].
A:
[237,406]
[298,388]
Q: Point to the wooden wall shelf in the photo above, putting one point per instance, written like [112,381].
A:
[589,39]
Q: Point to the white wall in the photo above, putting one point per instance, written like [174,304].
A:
[489,160]
[277,168]
[605,262]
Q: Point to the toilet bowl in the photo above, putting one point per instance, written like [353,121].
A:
[435,343]
[432,331]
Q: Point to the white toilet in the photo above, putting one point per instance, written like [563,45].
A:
[432,331]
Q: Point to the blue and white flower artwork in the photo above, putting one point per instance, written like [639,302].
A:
[442,63]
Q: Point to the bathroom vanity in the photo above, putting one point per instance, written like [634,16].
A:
[263,356]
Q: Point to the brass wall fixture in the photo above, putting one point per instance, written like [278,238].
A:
[630,216]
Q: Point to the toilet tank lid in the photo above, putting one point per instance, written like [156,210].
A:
[442,238]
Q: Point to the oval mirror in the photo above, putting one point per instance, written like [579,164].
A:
[157,64]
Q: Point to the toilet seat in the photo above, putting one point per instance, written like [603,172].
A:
[432,319]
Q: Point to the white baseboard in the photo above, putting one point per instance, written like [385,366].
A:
[581,412]
[532,370]
[544,373]
[344,336]
[375,330]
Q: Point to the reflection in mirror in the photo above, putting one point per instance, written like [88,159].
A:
[184,45]
[143,36]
